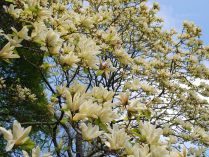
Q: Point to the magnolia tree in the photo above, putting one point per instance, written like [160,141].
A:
[117,82]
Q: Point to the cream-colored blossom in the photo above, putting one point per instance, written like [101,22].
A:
[149,133]
[89,131]
[77,88]
[172,139]
[36,152]
[159,151]
[106,67]
[124,98]
[179,154]
[53,42]
[122,56]
[147,88]
[22,34]
[12,10]
[133,85]
[18,136]
[111,37]
[86,21]
[39,32]
[69,59]
[121,46]
[117,138]
[87,51]
[107,115]
[101,94]
[14,40]
[136,106]
[137,150]
[167,130]
[24,93]
[73,101]
[7,52]
[87,110]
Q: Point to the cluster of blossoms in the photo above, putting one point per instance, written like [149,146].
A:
[80,105]
[24,93]
[130,97]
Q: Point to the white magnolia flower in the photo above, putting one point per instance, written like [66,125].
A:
[53,42]
[122,56]
[138,150]
[159,151]
[136,106]
[74,97]
[150,133]
[111,36]
[74,101]
[17,136]
[8,52]
[70,59]
[90,132]
[107,115]
[87,110]
[77,88]
[39,32]
[102,95]
[172,139]
[87,52]
[106,67]
[14,40]
[124,98]
[167,130]
[12,10]
[147,88]
[178,154]
[36,152]
[117,138]
[134,85]
[22,34]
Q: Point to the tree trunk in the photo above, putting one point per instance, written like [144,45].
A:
[79,149]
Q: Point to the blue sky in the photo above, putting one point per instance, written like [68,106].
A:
[175,12]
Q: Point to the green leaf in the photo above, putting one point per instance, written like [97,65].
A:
[66,148]
[101,125]
[135,132]
[64,120]
[85,70]
[99,72]
[46,66]
[28,145]
[60,144]
[9,1]
[6,60]
[147,114]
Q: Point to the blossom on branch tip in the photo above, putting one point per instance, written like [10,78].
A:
[18,136]
[89,131]
[7,52]
[117,138]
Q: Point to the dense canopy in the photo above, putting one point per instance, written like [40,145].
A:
[91,78]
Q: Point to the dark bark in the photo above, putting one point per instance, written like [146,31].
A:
[79,149]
